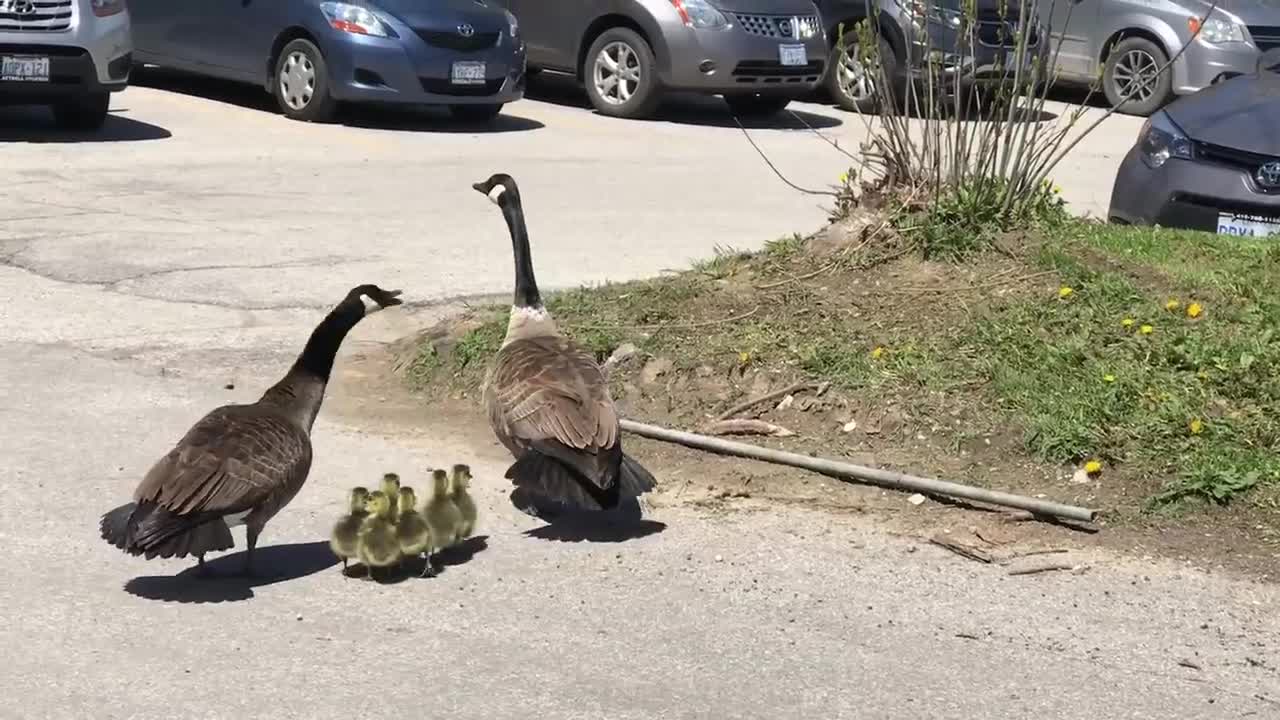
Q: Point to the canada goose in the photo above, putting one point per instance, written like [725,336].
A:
[441,514]
[239,464]
[548,402]
[343,540]
[378,547]
[459,479]
[391,488]
[411,528]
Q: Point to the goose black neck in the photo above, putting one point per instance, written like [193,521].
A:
[526,294]
[317,357]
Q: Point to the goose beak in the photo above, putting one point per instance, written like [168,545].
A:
[480,188]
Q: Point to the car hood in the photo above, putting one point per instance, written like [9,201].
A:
[445,14]
[767,7]
[1239,113]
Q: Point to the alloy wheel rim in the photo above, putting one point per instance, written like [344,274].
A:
[297,80]
[616,73]
[1135,75]
[853,77]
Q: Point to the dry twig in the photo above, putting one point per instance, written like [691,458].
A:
[748,404]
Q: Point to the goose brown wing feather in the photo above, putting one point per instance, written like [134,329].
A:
[235,458]
[548,394]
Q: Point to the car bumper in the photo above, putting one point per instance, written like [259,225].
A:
[1185,194]
[92,55]
[1205,63]
[734,61]
[408,70]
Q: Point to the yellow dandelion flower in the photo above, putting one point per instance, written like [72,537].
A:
[1173,306]
[844,178]
[1057,189]
[1093,467]
[1126,323]
[1109,378]
[877,353]
[1065,292]
[1195,426]
[744,357]
[1146,329]
[1194,310]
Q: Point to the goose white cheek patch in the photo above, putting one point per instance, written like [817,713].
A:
[496,193]
[369,305]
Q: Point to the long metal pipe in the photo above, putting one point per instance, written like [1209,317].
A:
[873,476]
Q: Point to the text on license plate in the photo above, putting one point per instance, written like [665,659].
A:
[24,68]
[467,72]
[792,55]
[1247,226]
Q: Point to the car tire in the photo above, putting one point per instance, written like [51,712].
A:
[86,112]
[622,99]
[476,113]
[841,77]
[1128,59]
[301,83]
[755,105]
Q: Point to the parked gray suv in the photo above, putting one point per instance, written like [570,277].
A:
[1127,41]
[759,54]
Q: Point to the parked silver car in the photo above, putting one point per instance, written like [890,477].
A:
[759,54]
[1127,41]
[68,54]
[1210,161]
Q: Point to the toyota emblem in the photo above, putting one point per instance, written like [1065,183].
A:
[465,30]
[1268,176]
[18,7]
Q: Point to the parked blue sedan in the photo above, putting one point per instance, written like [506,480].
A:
[313,54]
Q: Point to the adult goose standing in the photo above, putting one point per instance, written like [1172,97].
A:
[548,401]
[240,464]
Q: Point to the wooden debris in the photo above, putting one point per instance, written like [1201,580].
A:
[961,549]
[1042,568]
[789,390]
[744,426]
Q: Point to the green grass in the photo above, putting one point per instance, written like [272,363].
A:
[1067,371]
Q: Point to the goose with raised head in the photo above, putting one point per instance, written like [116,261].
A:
[548,401]
[239,464]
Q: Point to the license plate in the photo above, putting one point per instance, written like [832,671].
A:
[467,72]
[792,55]
[1247,225]
[24,68]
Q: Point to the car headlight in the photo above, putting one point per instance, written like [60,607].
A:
[353,19]
[512,24]
[931,10]
[107,8]
[1216,29]
[1160,139]
[700,14]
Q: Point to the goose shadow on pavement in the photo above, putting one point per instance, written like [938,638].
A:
[34,124]
[272,564]
[627,522]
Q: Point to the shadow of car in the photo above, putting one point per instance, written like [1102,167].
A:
[312,55]
[1209,161]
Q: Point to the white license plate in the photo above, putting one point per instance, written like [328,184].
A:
[467,72]
[792,55]
[1247,226]
[24,68]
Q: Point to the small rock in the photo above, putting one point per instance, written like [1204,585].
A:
[705,371]
[299,617]
[916,499]
[1080,477]
[719,558]
[786,402]
[850,426]
[655,369]
[620,355]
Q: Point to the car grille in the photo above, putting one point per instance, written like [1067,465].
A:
[1266,37]
[1208,208]
[437,86]
[773,72]
[451,40]
[49,16]
[1243,160]
[778,26]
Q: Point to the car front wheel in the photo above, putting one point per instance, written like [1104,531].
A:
[852,78]
[302,83]
[1132,69]
[621,75]
[88,112]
